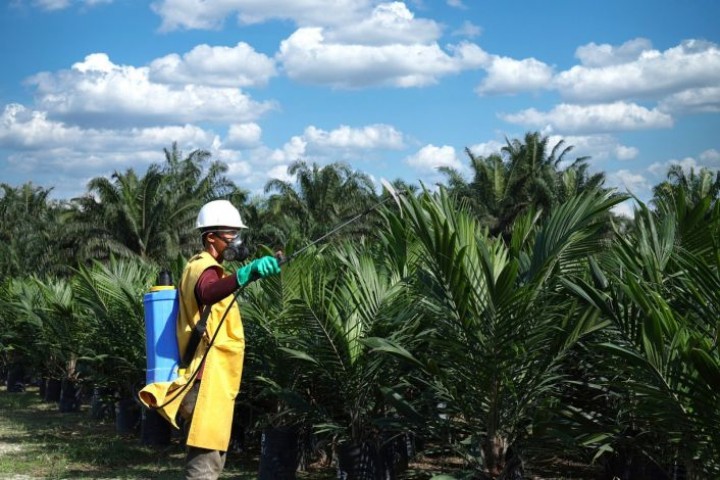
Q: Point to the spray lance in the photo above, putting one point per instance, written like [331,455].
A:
[237,251]
[162,304]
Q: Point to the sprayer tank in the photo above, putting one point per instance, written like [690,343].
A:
[161,310]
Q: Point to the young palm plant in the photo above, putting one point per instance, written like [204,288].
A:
[273,392]
[344,295]
[499,324]
[662,297]
[21,330]
[113,292]
[50,308]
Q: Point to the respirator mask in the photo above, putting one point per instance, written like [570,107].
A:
[236,251]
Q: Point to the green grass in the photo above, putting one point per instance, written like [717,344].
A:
[37,441]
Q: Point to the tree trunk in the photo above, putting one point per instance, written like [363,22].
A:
[42,387]
[495,447]
[394,454]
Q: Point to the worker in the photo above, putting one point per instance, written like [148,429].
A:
[204,402]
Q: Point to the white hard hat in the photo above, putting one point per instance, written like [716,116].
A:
[219,213]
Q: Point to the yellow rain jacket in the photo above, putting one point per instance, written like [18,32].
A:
[212,418]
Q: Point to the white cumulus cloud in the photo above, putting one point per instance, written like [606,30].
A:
[293,150]
[46,145]
[242,135]
[339,144]
[239,169]
[456,4]
[308,57]
[626,180]
[593,55]
[430,157]
[623,152]
[486,149]
[599,147]
[364,138]
[709,159]
[280,172]
[468,29]
[389,23]
[693,100]
[238,66]
[51,4]
[96,90]
[507,75]
[634,70]
[54,5]
[618,116]
[711,155]
[202,14]
[23,128]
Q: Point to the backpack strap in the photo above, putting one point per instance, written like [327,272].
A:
[195,336]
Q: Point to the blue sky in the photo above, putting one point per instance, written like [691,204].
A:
[395,89]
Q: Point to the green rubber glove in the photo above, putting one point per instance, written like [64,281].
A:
[259,268]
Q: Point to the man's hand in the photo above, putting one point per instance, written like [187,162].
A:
[259,268]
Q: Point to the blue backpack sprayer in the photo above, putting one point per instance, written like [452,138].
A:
[161,311]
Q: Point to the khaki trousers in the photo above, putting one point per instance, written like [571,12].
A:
[200,463]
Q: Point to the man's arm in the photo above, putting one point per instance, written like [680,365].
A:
[211,287]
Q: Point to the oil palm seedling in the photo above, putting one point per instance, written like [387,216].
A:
[344,296]
[273,395]
[498,323]
[21,328]
[661,297]
[113,293]
[49,308]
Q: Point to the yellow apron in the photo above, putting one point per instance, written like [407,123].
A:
[212,419]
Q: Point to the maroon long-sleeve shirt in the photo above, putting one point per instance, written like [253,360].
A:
[211,287]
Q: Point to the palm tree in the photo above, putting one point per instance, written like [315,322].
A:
[113,293]
[488,192]
[692,186]
[323,197]
[30,226]
[125,215]
[498,325]
[525,175]
[329,302]
[21,328]
[60,326]
[264,228]
[576,179]
[661,296]
[150,216]
[190,182]
[269,373]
